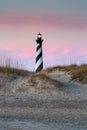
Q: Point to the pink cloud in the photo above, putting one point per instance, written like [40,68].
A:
[47,21]
[63,51]
[17,51]
[83,51]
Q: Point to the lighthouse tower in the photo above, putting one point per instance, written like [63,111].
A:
[39,58]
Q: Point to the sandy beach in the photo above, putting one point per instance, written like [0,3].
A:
[37,103]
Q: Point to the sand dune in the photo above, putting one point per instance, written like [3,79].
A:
[43,96]
[56,84]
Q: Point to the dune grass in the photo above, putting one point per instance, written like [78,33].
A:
[8,66]
[62,68]
[44,81]
[78,72]
[41,75]
[8,70]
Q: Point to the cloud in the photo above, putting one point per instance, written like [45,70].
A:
[55,22]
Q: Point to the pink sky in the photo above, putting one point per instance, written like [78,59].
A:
[65,37]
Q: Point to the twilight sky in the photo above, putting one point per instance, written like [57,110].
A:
[63,24]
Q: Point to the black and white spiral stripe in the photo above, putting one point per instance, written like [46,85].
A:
[39,58]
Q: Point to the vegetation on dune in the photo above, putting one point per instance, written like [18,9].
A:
[9,70]
[43,80]
[41,75]
[63,68]
[8,66]
[78,72]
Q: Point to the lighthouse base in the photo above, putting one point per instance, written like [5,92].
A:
[39,68]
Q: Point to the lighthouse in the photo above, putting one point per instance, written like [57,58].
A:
[39,56]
